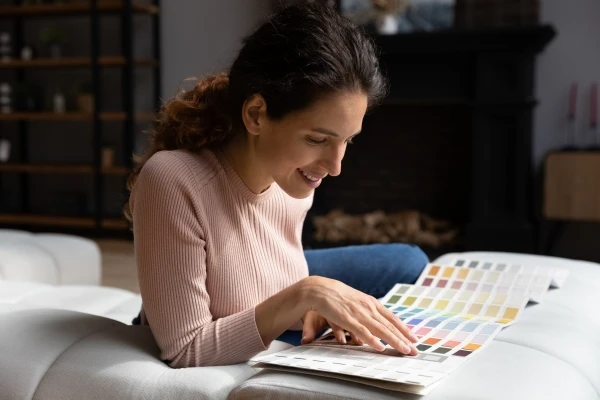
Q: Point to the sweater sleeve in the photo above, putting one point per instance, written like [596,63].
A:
[171,263]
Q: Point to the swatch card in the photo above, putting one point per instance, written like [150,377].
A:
[499,307]
[558,275]
[532,284]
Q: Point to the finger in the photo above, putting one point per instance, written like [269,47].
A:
[339,333]
[394,319]
[364,333]
[356,339]
[393,328]
[309,328]
[388,332]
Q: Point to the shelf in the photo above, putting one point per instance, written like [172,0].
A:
[74,222]
[79,7]
[60,169]
[73,116]
[107,61]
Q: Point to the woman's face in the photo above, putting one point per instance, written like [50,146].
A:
[304,147]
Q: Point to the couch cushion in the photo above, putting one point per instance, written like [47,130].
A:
[49,258]
[55,354]
[121,305]
[551,352]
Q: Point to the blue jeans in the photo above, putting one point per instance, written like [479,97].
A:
[373,269]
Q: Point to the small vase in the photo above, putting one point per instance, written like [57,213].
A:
[387,24]
[55,51]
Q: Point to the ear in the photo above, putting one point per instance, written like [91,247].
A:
[254,114]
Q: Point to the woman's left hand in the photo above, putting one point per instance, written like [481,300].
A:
[313,324]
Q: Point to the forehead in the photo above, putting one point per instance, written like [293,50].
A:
[346,110]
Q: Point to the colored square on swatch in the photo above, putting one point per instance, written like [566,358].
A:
[431,341]
[434,270]
[451,343]
[427,282]
[442,283]
[423,347]
[472,346]
[462,353]
[448,272]
[441,350]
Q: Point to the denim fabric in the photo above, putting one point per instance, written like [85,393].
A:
[373,269]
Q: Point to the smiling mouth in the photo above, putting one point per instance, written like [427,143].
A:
[312,181]
[309,176]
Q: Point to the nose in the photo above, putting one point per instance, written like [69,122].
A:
[332,161]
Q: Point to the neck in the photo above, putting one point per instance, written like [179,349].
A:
[243,157]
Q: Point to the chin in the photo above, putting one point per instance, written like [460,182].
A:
[297,193]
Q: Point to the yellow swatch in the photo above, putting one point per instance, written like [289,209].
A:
[425,303]
[434,270]
[448,272]
[492,311]
[472,346]
[409,301]
[441,305]
[510,313]
[468,316]
[504,321]
[462,274]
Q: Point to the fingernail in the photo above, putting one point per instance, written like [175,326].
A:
[343,341]
[303,338]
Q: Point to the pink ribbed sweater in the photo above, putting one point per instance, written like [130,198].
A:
[208,250]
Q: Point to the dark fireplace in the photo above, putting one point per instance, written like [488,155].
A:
[452,142]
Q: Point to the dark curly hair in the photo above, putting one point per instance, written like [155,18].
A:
[302,53]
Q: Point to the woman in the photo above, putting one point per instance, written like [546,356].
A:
[219,200]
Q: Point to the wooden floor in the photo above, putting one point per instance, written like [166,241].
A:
[118,264]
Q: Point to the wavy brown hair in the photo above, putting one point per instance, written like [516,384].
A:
[302,53]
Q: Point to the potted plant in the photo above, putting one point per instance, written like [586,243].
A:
[85,98]
[53,40]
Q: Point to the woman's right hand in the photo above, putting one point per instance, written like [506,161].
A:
[358,313]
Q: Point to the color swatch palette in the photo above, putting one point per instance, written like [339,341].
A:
[435,302]
[532,284]
[454,310]
[558,275]
[362,361]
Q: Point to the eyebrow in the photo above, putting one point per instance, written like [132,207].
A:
[328,132]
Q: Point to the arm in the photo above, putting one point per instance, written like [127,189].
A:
[171,262]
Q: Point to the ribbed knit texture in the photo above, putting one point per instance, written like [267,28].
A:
[208,250]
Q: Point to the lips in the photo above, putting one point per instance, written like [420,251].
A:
[309,179]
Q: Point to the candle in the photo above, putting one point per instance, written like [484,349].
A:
[573,101]
[594,104]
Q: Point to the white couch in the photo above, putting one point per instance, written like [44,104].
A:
[552,352]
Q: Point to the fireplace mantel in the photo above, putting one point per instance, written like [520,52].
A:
[529,39]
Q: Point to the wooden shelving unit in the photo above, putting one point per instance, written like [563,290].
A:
[61,169]
[80,7]
[106,61]
[99,222]
[73,116]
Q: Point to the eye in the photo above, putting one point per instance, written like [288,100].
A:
[315,141]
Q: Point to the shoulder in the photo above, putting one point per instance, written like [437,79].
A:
[181,167]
